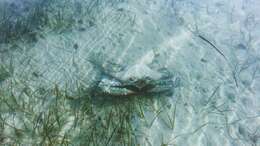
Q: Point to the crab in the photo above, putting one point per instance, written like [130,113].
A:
[112,85]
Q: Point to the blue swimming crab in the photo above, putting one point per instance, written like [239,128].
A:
[109,84]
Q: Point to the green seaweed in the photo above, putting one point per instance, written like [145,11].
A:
[4,74]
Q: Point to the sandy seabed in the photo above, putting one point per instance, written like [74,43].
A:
[211,46]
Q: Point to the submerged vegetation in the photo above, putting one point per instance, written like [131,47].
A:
[27,20]
[65,121]
[4,74]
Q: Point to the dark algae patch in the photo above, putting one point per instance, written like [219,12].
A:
[4,74]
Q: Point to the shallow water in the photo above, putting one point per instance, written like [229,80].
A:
[48,79]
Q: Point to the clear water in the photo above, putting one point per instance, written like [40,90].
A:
[48,79]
